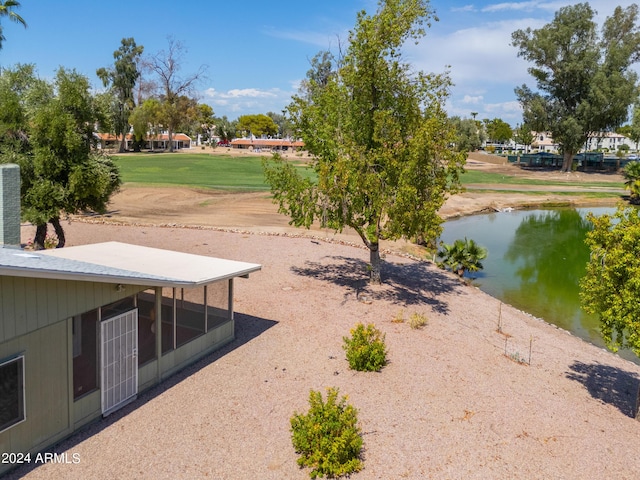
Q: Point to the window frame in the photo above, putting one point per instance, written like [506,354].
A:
[22,404]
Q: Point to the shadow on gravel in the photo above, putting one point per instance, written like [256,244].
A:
[609,385]
[407,283]
[247,328]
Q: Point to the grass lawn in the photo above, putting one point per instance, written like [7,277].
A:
[476,177]
[222,172]
[193,170]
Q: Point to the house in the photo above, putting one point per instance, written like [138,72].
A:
[159,141]
[268,144]
[607,141]
[84,329]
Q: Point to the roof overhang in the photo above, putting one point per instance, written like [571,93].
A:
[115,262]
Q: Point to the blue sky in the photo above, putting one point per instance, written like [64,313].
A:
[257,52]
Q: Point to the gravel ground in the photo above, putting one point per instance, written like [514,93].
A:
[454,401]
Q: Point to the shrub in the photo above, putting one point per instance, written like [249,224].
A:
[366,350]
[328,437]
[417,320]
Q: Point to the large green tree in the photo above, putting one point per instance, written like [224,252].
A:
[257,125]
[145,120]
[498,131]
[50,128]
[469,137]
[611,286]
[379,136]
[585,81]
[7,10]
[121,80]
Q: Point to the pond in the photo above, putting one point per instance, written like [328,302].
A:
[535,260]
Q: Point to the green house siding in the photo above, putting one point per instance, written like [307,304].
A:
[28,304]
[46,389]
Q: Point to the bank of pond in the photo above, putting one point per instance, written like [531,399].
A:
[536,259]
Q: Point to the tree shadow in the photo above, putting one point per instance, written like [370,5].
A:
[609,385]
[247,327]
[409,283]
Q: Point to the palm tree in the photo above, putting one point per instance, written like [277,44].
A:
[462,255]
[6,10]
[632,176]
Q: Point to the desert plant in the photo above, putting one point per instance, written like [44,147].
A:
[399,318]
[417,320]
[328,437]
[366,350]
[462,255]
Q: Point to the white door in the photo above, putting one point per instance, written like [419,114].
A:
[119,366]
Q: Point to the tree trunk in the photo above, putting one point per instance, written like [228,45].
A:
[374,257]
[59,231]
[123,144]
[170,135]
[567,161]
[41,234]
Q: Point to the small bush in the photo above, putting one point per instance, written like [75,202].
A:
[399,318]
[366,350]
[328,437]
[417,320]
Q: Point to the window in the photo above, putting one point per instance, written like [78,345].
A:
[85,353]
[146,327]
[12,409]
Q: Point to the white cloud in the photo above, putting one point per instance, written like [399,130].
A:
[472,100]
[244,101]
[466,8]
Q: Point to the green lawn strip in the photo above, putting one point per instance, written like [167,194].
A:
[547,193]
[196,170]
[245,173]
[476,177]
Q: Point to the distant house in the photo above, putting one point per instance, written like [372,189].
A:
[609,141]
[543,142]
[152,142]
[266,144]
[84,329]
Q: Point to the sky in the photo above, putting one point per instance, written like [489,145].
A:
[256,52]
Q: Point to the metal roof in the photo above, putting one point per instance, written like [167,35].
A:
[115,262]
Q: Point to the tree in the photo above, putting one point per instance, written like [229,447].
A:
[379,136]
[498,131]
[632,181]
[206,121]
[145,120]
[610,287]
[285,128]
[257,125]
[469,137]
[634,131]
[60,173]
[225,129]
[587,83]
[524,136]
[166,65]
[7,10]
[121,79]
[463,256]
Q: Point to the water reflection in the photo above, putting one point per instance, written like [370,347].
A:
[535,261]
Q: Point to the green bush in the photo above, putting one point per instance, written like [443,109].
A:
[328,437]
[366,350]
